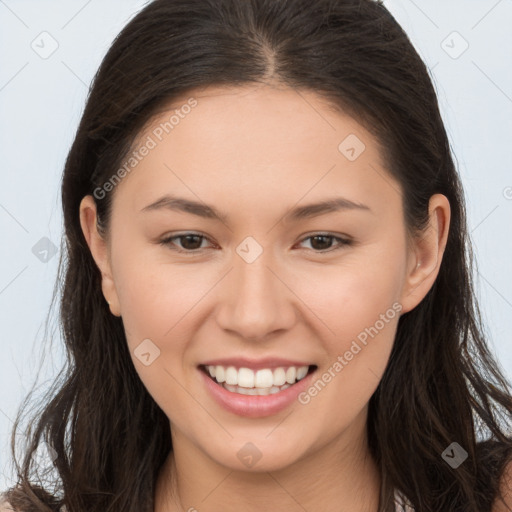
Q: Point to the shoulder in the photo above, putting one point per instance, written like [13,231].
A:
[4,505]
[505,489]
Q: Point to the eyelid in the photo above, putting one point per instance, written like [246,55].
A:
[166,241]
[343,241]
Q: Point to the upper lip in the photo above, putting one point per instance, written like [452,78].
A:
[255,364]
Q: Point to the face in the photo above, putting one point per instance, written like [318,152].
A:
[271,282]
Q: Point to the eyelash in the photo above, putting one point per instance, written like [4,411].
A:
[167,242]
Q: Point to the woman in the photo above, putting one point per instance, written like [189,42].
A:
[267,295]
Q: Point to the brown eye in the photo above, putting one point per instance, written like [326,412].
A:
[188,242]
[192,242]
[323,242]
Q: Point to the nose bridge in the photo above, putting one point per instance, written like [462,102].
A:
[256,301]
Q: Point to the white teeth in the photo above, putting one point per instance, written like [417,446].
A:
[231,376]
[220,374]
[246,391]
[245,378]
[265,379]
[255,391]
[280,376]
[302,372]
[291,374]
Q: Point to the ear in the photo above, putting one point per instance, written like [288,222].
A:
[99,251]
[426,253]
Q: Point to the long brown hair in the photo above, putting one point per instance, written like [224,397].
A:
[441,385]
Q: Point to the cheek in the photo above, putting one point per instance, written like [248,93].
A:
[351,295]
[155,296]
[164,303]
[356,306]
[157,304]
[362,313]
[351,301]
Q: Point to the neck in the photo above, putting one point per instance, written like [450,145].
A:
[338,476]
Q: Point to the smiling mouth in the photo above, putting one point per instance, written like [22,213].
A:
[262,383]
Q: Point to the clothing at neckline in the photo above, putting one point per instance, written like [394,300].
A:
[402,504]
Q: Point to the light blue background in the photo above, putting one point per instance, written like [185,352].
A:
[41,101]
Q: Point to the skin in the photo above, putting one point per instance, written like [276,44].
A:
[256,152]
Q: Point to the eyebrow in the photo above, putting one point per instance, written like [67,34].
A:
[180,204]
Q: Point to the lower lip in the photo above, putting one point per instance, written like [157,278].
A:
[255,406]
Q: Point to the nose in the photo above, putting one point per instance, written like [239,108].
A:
[256,299]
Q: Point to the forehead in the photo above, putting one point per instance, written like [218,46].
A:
[258,143]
